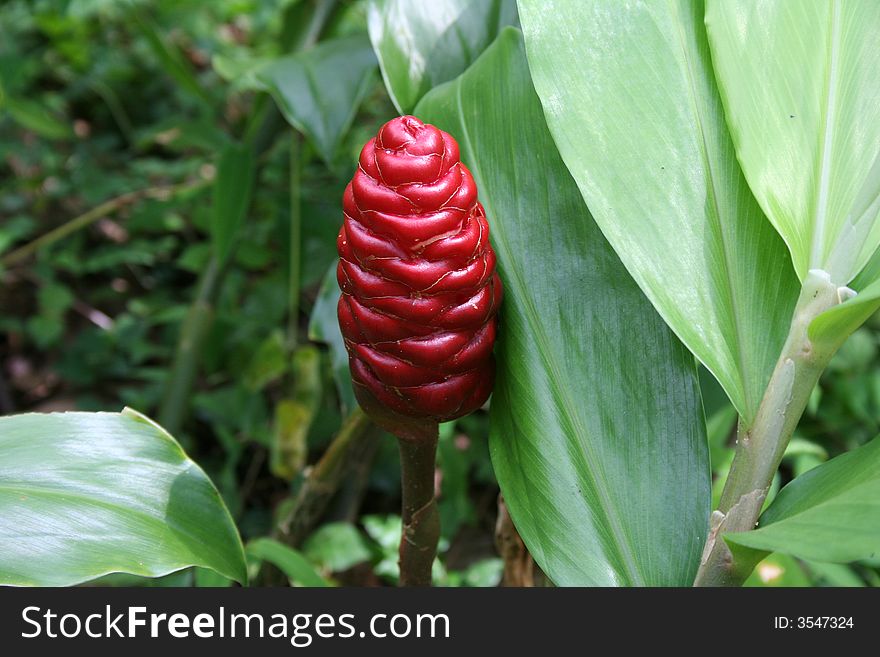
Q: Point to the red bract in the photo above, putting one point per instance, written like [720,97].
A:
[419,288]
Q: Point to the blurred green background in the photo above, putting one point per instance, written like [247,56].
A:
[170,182]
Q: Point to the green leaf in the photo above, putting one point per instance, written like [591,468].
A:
[319,90]
[835,574]
[176,66]
[836,324]
[870,273]
[232,196]
[718,429]
[597,435]
[268,362]
[803,447]
[778,570]
[337,546]
[324,327]
[15,229]
[204,578]
[484,573]
[86,494]
[630,99]
[295,414]
[33,116]
[421,45]
[802,98]
[831,513]
[240,71]
[289,561]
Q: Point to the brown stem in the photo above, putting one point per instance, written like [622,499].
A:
[520,569]
[421,520]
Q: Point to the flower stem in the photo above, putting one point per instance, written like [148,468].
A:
[421,520]
[760,446]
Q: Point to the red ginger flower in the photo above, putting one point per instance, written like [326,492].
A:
[417,272]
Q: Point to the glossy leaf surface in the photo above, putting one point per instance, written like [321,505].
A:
[422,44]
[86,494]
[319,90]
[801,90]
[629,96]
[597,435]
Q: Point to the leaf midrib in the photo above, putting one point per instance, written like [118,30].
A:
[820,213]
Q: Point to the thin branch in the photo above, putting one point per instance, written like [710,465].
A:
[295,238]
[98,212]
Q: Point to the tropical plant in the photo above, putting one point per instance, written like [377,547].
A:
[684,201]
[664,126]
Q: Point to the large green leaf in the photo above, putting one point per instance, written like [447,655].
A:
[422,44]
[86,494]
[801,89]
[831,513]
[597,434]
[630,99]
[319,90]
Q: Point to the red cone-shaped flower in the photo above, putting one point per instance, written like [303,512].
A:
[419,288]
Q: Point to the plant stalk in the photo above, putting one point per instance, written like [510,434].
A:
[760,446]
[421,519]
[193,331]
[355,441]
[294,283]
